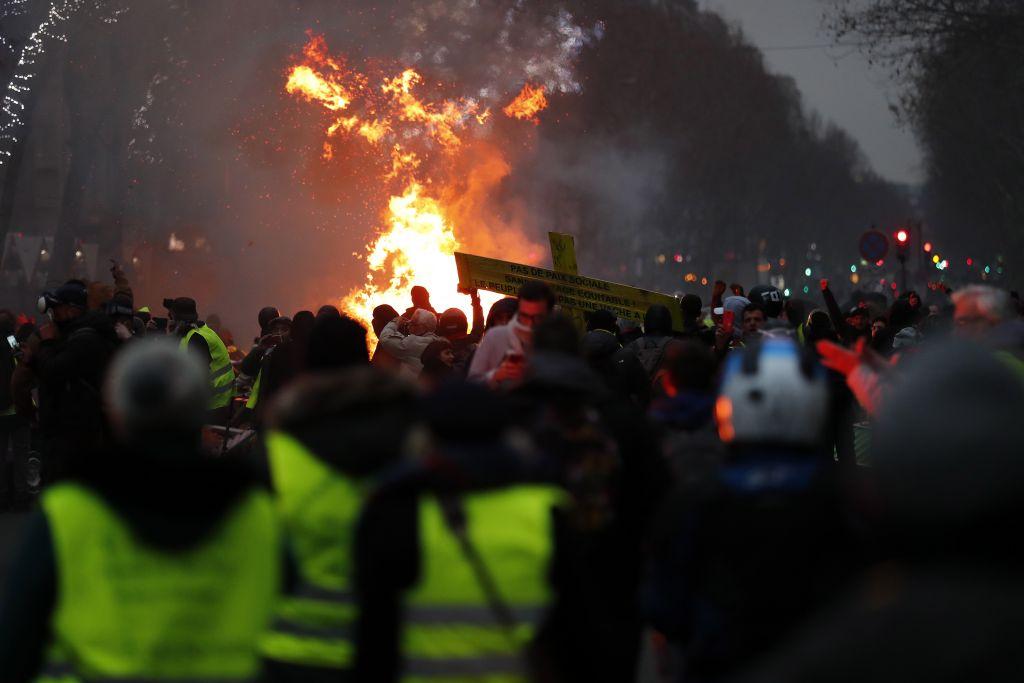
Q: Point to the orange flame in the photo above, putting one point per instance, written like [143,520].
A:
[416,243]
[527,104]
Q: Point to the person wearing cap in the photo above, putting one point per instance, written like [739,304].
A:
[69,364]
[329,436]
[197,338]
[453,326]
[122,314]
[770,298]
[115,582]
[406,338]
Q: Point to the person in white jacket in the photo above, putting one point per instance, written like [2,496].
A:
[500,359]
[406,338]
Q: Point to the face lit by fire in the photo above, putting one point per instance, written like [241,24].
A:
[532,313]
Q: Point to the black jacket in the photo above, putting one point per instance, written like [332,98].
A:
[70,372]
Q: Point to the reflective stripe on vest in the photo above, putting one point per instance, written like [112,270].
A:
[319,507]
[254,395]
[222,378]
[128,611]
[451,630]
[63,676]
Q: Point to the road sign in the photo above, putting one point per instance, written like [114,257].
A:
[573,291]
[874,245]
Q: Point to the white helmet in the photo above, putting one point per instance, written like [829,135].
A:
[772,394]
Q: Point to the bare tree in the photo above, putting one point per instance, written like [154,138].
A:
[962,65]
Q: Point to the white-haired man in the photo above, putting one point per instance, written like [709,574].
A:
[406,338]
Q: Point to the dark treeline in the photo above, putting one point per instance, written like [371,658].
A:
[961,63]
[683,142]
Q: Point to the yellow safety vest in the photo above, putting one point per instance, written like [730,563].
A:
[254,394]
[222,377]
[319,507]
[452,633]
[129,611]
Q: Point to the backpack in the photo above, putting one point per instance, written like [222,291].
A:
[650,351]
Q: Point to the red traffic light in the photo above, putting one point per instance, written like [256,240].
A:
[902,236]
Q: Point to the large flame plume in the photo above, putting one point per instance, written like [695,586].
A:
[433,164]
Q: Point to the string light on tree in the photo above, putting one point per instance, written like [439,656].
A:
[51,28]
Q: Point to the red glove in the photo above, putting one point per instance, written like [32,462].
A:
[839,358]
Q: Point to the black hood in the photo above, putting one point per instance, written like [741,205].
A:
[95,320]
[170,503]
[356,420]
[658,320]
[598,346]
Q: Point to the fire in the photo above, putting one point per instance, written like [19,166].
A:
[530,102]
[307,82]
[416,248]
[429,198]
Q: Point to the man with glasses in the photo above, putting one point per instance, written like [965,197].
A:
[501,357]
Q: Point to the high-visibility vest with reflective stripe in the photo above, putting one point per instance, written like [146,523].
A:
[222,377]
[451,631]
[319,507]
[254,394]
[130,611]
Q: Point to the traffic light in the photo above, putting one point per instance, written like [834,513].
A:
[902,238]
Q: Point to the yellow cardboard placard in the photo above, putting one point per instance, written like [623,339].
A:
[573,291]
[563,252]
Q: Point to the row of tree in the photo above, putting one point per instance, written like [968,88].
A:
[686,144]
[962,66]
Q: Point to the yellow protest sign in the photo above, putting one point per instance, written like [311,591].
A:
[573,291]
[563,257]
[563,252]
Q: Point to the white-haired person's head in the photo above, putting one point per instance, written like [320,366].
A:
[979,308]
[422,322]
[156,394]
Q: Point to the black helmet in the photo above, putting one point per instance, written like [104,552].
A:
[71,293]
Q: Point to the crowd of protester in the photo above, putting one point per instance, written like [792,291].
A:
[761,489]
